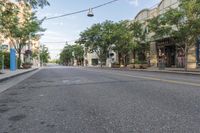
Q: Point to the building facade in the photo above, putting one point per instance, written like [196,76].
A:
[165,48]
[92,59]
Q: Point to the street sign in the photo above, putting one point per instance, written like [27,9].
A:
[3,47]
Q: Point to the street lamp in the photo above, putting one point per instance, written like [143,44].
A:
[90,13]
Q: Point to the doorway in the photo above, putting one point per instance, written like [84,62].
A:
[170,53]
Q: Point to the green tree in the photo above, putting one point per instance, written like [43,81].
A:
[44,54]
[36,3]
[70,53]
[78,51]
[123,41]
[140,40]
[18,31]
[66,55]
[98,38]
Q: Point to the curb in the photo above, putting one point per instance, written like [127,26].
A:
[145,70]
[19,74]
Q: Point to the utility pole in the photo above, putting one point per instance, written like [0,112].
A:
[42,55]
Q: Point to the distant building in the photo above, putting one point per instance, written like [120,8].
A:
[92,59]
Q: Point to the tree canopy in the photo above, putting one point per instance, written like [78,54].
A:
[118,36]
[36,3]
[19,27]
[70,53]
[44,54]
[98,39]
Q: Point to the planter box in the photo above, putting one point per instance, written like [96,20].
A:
[26,66]
[131,66]
[137,66]
[141,66]
[144,66]
[115,66]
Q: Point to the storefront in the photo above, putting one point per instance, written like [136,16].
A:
[170,54]
[166,52]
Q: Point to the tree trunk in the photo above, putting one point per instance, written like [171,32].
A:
[101,63]
[186,57]
[125,60]
[119,58]
[19,58]
[133,54]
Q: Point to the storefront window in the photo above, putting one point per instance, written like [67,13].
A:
[180,56]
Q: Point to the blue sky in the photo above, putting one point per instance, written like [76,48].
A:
[68,28]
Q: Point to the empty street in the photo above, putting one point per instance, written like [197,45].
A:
[86,100]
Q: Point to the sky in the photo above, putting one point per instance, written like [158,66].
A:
[68,28]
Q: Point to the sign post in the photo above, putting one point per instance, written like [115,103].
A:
[12,59]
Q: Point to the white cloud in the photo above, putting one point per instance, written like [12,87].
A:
[134,2]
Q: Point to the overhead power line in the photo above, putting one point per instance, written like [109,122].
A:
[85,10]
[53,42]
[60,41]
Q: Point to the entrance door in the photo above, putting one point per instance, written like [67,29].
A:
[95,62]
[170,56]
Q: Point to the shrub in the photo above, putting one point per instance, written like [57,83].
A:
[140,62]
[6,59]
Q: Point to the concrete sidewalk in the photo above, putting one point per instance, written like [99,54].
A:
[7,74]
[155,69]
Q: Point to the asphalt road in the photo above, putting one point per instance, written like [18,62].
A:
[85,100]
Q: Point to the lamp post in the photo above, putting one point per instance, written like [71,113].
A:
[41,56]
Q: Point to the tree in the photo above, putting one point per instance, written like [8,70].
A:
[78,53]
[140,42]
[182,24]
[66,55]
[36,3]
[98,39]
[8,17]
[44,54]
[123,41]
[71,52]
[102,37]
[19,30]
